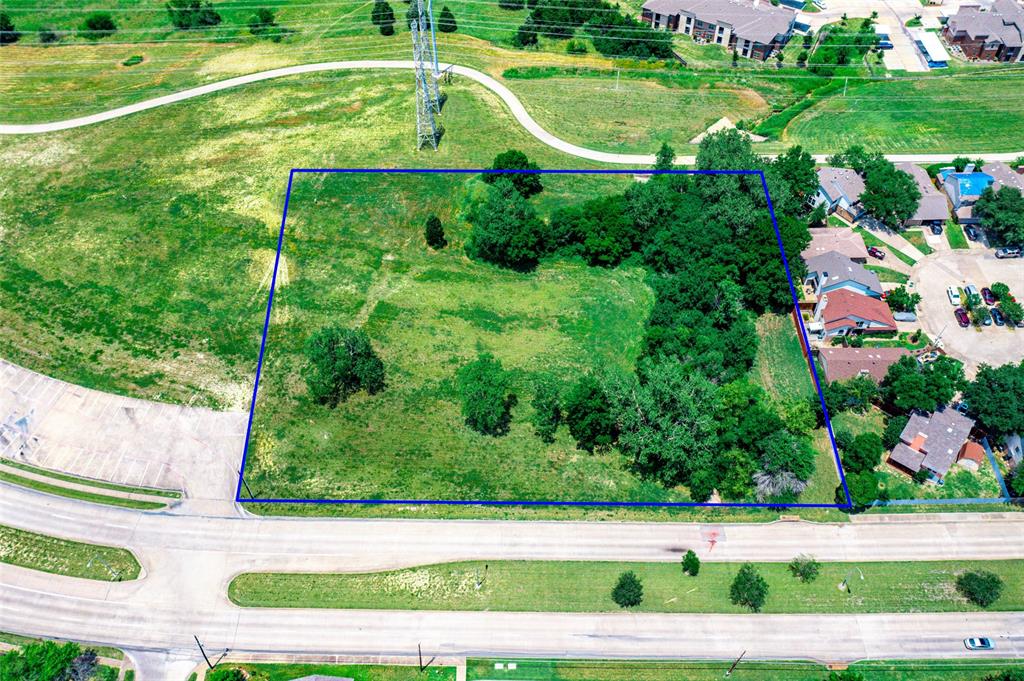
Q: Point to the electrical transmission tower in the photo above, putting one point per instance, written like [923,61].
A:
[428,94]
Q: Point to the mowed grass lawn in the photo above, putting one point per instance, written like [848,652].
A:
[65,557]
[354,255]
[551,586]
[356,672]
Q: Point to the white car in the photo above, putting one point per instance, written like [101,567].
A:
[980,643]
[954,296]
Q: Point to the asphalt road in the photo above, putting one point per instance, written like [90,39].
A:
[515,106]
[189,560]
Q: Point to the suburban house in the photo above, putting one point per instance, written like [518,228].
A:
[1014,448]
[963,189]
[842,240]
[843,312]
[994,34]
[933,209]
[840,189]
[833,271]
[753,28]
[932,443]
[840,364]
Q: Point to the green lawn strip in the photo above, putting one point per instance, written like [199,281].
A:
[554,586]
[357,672]
[933,670]
[66,557]
[917,238]
[780,365]
[872,240]
[170,494]
[955,236]
[102,651]
[887,275]
[641,670]
[77,494]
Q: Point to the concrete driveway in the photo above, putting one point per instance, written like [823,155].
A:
[992,345]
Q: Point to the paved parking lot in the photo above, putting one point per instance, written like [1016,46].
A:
[993,345]
[64,427]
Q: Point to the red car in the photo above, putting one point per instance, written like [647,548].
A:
[876,252]
[961,317]
[988,296]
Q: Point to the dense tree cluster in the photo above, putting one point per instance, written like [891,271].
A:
[1002,214]
[910,385]
[339,363]
[996,398]
[687,416]
[840,46]
[613,34]
[187,14]
[49,661]
[890,195]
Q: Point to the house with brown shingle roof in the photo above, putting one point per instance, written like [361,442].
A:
[841,364]
[753,28]
[932,443]
[933,208]
[994,34]
[842,313]
[842,240]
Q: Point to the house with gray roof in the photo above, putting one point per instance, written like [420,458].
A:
[842,240]
[832,271]
[753,28]
[840,189]
[933,208]
[991,34]
[932,443]
[964,189]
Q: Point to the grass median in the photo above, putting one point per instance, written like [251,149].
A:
[112,486]
[40,486]
[65,557]
[555,586]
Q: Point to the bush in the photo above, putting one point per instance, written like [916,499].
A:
[893,429]
[433,232]
[805,568]
[446,22]
[691,563]
[8,33]
[863,454]
[576,47]
[383,17]
[263,24]
[512,5]
[48,36]
[547,412]
[1015,481]
[588,415]
[186,14]
[749,588]
[340,362]
[486,397]
[628,591]
[226,674]
[980,587]
[526,184]
[1006,675]
[98,25]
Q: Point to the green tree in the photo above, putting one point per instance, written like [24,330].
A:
[487,400]
[526,35]
[980,587]
[1006,675]
[48,36]
[665,158]
[628,591]
[817,216]
[526,184]
[691,563]
[1002,214]
[45,661]
[226,674]
[996,398]
[749,588]
[263,24]
[856,157]
[446,22]
[908,385]
[1001,291]
[340,362]
[1012,310]
[960,162]
[797,167]
[805,568]
[433,232]
[588,415]
[506,229]
[8,32]
[547,410]
[1015,481]
[901,300]
[98,25]
[801,58]
[187,14]
[890,195]
[863,454]
[853,394]
[383,17]
[893,429]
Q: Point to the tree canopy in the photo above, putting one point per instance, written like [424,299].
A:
[340,362]
[890,195]
[526,184]
[506,228]
[749,588]
[1002,214]
[188,14]
[487,400]
[910,385]
[996,398]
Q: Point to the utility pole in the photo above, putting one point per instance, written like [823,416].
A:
[733,667]
[241,476]
[423,667]
[209,664]
[480,580]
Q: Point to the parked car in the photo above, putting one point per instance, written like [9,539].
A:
[979,643]
[971,233]
[998,317]
[876,252]
[983,316]
[936,229]
[973,294]
[988,296]
[1008,252]
[961,317]
[954,296]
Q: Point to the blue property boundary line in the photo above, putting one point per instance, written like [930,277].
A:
[486,502]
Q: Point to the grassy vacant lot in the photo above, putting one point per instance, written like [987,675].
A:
[780,366]
[712,670]
[551,586]
[65,557]
[357,672]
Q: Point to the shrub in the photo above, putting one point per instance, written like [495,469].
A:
[8,33]
[576,47]
[226,674]
[893,429]
[132,60]
[691,563]
[526,184]
[48,36]
[980,587]
[486,398]
[446,22]
[628,591]
[263,24]
[511,5]
[383,17]
[749,588]
[805,568]
[340,362]
[186,14]
[588,415]
[433,232]
[98,25]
